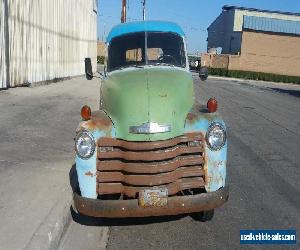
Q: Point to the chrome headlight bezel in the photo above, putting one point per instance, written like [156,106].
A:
[210,130]
[92,149]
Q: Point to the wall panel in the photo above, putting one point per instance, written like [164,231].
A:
[48,39]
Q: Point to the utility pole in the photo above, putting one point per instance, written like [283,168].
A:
[144,10]
[103,35]
[123,13]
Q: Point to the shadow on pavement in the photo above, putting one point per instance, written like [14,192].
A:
[91,221]
[288,91]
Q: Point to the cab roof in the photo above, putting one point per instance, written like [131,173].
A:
[132,27]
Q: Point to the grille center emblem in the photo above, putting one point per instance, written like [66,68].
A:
[149,128]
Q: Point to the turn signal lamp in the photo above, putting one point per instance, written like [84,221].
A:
[212,105]
[86,112]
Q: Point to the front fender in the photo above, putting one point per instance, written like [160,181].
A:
[198,120]
[99,126]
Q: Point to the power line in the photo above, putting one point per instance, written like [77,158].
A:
[144,9]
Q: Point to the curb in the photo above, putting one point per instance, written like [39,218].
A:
[43,83]
[48,82]
[52,228]
[254,82]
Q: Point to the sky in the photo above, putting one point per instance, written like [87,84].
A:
[194,16]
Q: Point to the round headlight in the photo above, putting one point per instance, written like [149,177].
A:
[84,145]
[216,136]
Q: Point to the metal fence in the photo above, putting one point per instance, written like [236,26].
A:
[43,40]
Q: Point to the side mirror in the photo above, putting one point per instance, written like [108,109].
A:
[88,69]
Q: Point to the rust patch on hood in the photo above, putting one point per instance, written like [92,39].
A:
[99,121]
[191,117]
[100,116]
[199,112]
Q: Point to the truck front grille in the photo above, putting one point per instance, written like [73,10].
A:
[125,167]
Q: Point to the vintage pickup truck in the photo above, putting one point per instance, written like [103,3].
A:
[150,150]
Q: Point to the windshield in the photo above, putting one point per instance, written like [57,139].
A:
[163,48]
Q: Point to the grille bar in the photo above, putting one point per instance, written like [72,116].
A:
[131,191]
[136,146]
[149,168]
[149,155]
[150,180]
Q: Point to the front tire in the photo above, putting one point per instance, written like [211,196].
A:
[203,216]
[203,78]
[203,73]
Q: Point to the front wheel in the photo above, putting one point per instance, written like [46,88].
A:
[203,73]
[203,78]
[203,216]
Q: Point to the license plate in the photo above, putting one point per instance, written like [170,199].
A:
[153,197]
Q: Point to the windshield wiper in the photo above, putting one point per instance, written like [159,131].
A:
[133,65]
[164,64]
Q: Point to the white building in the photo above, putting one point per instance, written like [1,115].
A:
[43,40]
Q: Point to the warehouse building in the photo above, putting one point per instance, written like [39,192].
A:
[262,40]
[45,40]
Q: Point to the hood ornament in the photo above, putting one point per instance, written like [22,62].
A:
[149,128]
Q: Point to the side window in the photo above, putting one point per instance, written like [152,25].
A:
[134,55]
